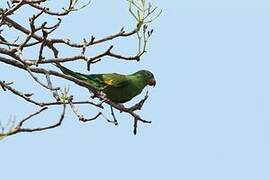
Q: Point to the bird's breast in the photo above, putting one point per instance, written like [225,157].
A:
[122,95]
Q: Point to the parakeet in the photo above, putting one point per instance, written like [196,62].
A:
[118,88]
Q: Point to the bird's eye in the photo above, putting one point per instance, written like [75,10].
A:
[148,74]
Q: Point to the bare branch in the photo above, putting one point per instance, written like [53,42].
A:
[20,94]
[80,116]
[114,118]
[43,128]
[30,116]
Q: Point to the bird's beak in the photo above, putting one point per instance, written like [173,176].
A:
[152,82]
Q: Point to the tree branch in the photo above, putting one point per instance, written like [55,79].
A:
[39,38]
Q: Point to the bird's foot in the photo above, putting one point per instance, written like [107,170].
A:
[121,106]
[102,95]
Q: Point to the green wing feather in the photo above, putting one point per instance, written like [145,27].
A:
[115,80]
[100,81]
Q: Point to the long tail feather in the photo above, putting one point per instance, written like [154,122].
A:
[71,73]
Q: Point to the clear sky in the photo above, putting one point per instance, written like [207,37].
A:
[210,108]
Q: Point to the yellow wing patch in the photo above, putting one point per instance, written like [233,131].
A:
[109,82]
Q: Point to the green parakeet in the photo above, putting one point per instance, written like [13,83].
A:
[118,88]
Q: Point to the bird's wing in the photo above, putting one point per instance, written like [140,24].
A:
[115,80]
[98,80]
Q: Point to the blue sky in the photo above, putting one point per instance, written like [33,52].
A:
[210,108]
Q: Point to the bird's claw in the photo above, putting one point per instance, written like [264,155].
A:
[121,106]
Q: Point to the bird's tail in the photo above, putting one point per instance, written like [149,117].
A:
[71,73]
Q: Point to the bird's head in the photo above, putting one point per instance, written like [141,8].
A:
[147,76]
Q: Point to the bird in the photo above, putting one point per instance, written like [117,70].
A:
[118,88]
